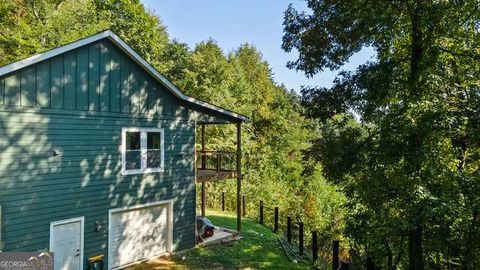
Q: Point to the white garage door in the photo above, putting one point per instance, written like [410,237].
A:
[138,233]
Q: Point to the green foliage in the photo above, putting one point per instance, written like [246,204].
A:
[33,26]
[410,164]
[29,27]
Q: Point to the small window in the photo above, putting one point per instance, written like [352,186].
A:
[142,150]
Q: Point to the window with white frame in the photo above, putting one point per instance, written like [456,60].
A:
[142,150]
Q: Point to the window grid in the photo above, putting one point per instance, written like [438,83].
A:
[143,151]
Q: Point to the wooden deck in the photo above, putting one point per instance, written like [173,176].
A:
[207,175]
[220,235]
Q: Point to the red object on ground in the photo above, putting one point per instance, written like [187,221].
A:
[205,227]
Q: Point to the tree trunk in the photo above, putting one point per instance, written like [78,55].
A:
[389,256]
[415,249]
[416,52]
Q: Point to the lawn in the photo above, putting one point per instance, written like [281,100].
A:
[258,249]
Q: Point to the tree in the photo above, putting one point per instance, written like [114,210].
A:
[420,96]
[33,26]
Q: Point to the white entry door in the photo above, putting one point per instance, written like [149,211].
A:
[66,243]
[139,232]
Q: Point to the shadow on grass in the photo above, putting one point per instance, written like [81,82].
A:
[258,249]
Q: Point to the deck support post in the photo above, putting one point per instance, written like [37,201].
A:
[275,220]
[261,212]
[300,238]
[289,229]
[223,201]
[239,177]
[244,206]
[335,254]
[204,164]
[314,246]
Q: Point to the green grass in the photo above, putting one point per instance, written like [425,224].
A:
[258,249]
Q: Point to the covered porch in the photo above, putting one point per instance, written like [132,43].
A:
[214,164]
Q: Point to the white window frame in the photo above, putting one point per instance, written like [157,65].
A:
[143,150]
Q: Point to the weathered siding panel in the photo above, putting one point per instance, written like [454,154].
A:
[56,90]
[2,90]
[115,81]
[12,89]
[104,78]
[28,88]
[70,82]
[126,79]
[77,104]
[93,76]
[43,84]
[82,78]
[135,95]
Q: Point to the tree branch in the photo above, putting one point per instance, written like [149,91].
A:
[467,54]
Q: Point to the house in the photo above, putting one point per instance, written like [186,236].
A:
[97,155]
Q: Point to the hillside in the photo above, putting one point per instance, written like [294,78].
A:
[258,249]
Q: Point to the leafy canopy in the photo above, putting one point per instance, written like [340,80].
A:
[410,168]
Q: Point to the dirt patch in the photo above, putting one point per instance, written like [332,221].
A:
[160,263]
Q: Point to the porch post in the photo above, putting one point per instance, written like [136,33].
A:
[239,176]
[203,167]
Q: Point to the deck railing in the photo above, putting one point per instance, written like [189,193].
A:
[220,161]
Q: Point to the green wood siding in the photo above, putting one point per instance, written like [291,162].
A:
[126,78]
[77,104]
[43,84]
[70,80]
[97,77]
[56,82]
[104,78]
[2,90]
[82,78]
[115,81]
[12,89]
[28,89]
[93,76]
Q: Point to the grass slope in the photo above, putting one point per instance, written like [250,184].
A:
[258,249]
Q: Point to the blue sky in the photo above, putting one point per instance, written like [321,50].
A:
[233,22]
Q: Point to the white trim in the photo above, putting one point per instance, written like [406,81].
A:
[143,150]
[82,233]
[169,204]
[130,52]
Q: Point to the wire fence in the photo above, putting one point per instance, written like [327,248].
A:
[291,232]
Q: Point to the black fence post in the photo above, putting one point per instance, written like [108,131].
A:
[244,211]
[289,229]
[261,212]
[314,246]
[223,200]
[335,259]
[275,221]
[369,264]
[300,238]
